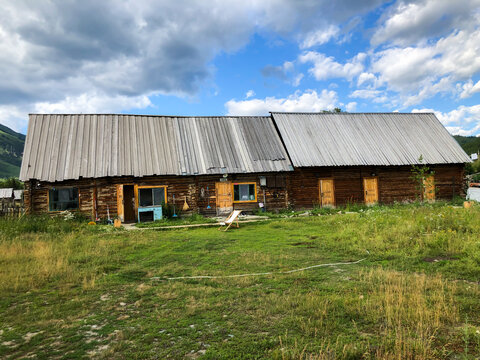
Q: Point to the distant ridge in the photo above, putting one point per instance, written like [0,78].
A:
[470,144]
[11,150]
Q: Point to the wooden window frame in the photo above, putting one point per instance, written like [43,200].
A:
[63,187]
[244,183]
[137,187]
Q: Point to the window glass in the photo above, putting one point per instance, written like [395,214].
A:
[145,197]
[63,199]
[151,196]
[244,192]
[158,196]
[251,191]
[236,195]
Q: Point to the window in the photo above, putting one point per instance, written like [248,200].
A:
[152,196]
[244,192]
[62,199]
[275,181]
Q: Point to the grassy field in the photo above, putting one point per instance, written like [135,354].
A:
[191,220]
[68,290]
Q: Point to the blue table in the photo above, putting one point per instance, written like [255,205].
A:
[157,212]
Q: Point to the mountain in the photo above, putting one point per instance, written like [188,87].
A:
[11,150]
[470,144]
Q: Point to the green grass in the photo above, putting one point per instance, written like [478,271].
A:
[68,290]
[190,220]
[8,170]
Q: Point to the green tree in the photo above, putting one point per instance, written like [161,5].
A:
[420,174]
[11,183]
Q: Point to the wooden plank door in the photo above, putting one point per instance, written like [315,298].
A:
[327,192]
[223,192]
[429,188]
[125,203]
[129,203]
[120,213]
[370,190]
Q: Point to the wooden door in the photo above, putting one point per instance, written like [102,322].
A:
[223,192]
[429,188]
[128,203]
[327,192]
[120,202]
[370,190]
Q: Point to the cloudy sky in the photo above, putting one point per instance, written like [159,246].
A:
[240,57]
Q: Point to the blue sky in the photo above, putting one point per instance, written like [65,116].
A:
[241,58]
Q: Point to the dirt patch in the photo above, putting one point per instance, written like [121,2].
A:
[438,258]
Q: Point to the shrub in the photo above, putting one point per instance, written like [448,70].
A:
[11,183]
[168,210]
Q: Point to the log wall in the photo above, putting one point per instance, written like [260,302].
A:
[297,189]
[395,184]
[103,193]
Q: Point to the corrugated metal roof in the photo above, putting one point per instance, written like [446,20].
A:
[61,147]
[343,139]
[6,193]
[18,194]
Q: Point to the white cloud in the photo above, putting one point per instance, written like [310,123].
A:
[297,79]
[326,67]
[468,89]
[308,101]
[376,96]
[421,72]
[351,106]
[429,47]
[429,90]
[285,72]
[14,117]
[365,94]
[465,120]
[367,78]
[55,51]
[319,37]
[249,94]
[93,103]
[408,22]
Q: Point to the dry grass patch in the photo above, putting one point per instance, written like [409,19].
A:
[411,311]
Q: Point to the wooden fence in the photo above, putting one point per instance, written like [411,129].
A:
[11,208]
[12,212]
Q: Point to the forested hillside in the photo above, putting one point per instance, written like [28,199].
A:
[11,149]
[471,144]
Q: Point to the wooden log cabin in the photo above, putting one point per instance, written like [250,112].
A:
[342,158]
[130,166]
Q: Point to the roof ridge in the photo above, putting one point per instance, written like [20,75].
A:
[349,113]
[153,115]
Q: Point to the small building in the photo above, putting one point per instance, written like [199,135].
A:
[342,158]
[6,198]
[132,166]
[18,198]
